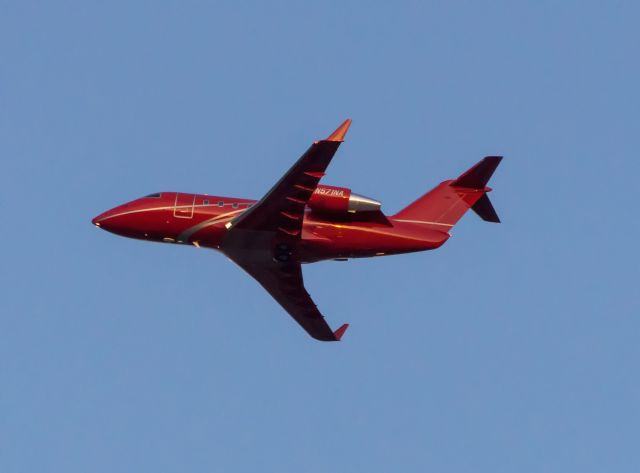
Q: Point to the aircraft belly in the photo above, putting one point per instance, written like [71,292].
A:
[339,241]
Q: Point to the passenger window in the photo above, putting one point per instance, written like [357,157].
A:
[205,202]
[235,205]
[220,204]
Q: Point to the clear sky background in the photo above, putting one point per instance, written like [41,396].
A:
[513,348]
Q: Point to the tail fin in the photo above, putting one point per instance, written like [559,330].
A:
[444,205]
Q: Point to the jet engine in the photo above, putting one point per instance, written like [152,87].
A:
[340,200]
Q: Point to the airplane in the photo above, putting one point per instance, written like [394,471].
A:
[300,221]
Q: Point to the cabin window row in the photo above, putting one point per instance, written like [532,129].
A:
[221,203]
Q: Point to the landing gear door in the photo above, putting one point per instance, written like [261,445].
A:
[184,205]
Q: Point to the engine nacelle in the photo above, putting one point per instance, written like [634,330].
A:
[340,200]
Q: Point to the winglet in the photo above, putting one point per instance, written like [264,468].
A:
[340,332]
[340,132]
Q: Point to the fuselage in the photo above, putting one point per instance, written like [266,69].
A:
[202,220]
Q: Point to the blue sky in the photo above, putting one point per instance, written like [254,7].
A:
[512,348]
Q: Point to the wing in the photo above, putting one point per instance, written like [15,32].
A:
[263,239]
[282,208]
[284,282]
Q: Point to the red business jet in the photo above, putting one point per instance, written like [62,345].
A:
[299,221]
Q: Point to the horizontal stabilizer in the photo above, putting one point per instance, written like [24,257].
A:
[478,176]
[485,210]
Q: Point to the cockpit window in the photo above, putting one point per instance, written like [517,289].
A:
[154,196]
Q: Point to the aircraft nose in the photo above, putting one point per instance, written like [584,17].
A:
[99,221]
[116,221]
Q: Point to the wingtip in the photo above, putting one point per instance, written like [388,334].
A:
[340,332]
[340,132]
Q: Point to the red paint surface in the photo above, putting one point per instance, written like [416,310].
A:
[299,221]
[164,219]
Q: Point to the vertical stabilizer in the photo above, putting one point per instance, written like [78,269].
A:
[449,201]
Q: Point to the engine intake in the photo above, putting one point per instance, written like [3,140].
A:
[330,199]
